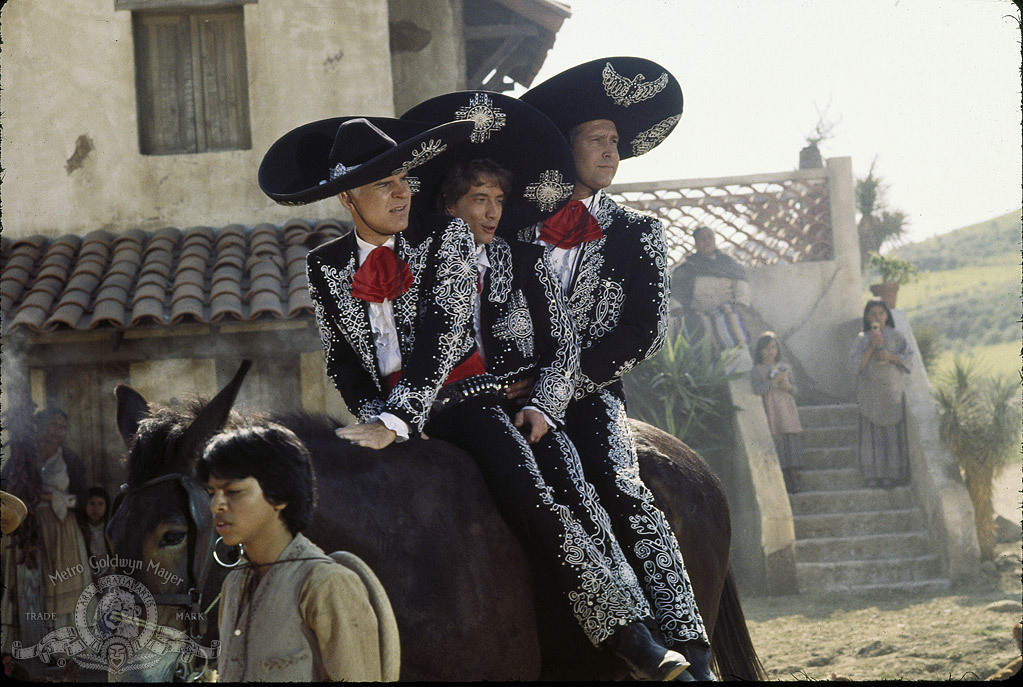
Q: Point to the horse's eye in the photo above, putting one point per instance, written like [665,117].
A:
[173,538]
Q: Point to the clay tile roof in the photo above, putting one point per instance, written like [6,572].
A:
[171,276]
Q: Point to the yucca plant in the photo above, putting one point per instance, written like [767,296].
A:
[683,390]
[979,422]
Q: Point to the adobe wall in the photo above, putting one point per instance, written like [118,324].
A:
[815,307]
[68,73]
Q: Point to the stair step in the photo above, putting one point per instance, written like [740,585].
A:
[930,587]
[863,547]
[826,415]
[867,572]
[843,525]
[830,458]
[850,500]
[839,436]
[834,479]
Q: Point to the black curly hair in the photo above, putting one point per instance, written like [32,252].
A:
[275,457]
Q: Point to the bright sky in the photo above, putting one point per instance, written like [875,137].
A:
[931,88]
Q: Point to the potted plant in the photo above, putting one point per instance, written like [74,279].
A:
[894,272]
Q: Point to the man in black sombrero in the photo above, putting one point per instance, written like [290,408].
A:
[398,340]
[612,265]
[514,171]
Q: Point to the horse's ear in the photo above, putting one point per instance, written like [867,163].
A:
[131,410]
[214,414]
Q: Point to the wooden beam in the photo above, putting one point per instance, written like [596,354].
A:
[158,5]
[507,49]
[484,32]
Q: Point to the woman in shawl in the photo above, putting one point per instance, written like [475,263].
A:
[46,567]
[714,291]
[881,358]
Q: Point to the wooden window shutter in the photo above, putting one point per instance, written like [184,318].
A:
[221,80]
[191,81]
[163,82]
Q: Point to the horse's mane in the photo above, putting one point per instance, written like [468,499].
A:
[154,449]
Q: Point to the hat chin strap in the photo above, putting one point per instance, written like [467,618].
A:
[351,199]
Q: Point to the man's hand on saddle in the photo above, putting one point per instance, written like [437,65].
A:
[519,391]
[370,434]
[532,423]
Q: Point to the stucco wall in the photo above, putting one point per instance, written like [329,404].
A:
[67,71]
[437,68]
[815,307]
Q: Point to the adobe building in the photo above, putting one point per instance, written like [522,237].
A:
[137,246]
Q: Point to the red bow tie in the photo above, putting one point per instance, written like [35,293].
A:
[570,226]
[383,276]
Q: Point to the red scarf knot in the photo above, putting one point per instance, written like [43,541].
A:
[383,276]
[570,226]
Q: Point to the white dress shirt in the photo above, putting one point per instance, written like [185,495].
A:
[564,259]
[385,340]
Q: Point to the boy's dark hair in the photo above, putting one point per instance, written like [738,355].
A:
[766,338]
[100,492]
[276,458]
[870,304]
[468,173]
[43,416]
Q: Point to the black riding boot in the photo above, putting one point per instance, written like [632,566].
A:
[698,656]
[647,659]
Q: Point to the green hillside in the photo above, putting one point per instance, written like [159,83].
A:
[993,240]
[969,289]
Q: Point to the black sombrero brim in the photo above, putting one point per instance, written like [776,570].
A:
[641,97]
[296,168]
[513,134]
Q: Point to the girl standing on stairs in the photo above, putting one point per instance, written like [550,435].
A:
[772,380]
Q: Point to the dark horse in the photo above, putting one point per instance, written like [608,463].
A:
[419,514]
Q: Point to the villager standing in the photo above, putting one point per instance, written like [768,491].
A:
[612,266]
[772,380]
[399,344]
[881,358]
[46,565]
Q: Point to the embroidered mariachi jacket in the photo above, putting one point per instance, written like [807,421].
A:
[433,318]
[619,296]
[526,327]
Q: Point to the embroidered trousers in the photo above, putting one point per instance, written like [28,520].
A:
[599,591]
[598,427]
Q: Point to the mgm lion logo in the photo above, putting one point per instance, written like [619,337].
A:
[115,630]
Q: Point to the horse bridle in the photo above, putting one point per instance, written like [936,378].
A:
[201,554]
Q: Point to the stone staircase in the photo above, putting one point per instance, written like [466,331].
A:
[849,537]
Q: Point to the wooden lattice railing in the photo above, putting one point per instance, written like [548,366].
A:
[764,218]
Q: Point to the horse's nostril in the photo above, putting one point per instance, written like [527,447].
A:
[172,538]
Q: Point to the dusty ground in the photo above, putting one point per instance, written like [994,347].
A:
[964,635]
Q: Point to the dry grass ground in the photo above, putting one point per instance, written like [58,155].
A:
[964,634]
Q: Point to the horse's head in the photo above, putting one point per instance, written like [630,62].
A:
[160,529]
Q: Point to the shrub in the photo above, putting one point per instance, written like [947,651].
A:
[979,422]
[684,391]
[929,342]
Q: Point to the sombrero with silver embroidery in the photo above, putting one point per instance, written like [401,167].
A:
[641,97]
[321,159]
[513,134]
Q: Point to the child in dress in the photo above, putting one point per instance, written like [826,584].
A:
[95,514]
[772,380]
